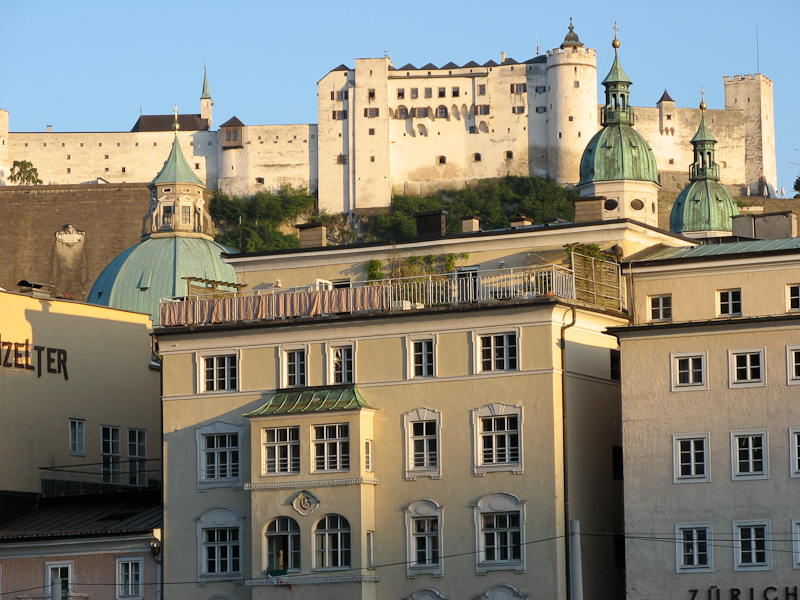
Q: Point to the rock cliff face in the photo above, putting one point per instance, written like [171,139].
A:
[104,219]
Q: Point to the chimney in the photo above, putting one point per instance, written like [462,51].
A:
[470,224]
[49,129]
[431,224]
[35,289]
[520,221]
[313,235]
[502,57]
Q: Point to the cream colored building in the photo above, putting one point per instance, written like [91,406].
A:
[328,438]
[81,465]
[711,430]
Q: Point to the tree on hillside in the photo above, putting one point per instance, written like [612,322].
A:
[797,187]
[24,173]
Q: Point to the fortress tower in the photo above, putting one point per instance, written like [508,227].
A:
[752,94]
[205,101]
[5,163]
[571,107]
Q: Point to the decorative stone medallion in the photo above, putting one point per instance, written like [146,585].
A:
[305,503]
[69,236]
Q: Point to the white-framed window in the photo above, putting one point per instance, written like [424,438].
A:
[371,543]
[219,535]
[793,365]
[749,454]
[294,367]
[282,539]
[423,358]
[137,457]
[497,438]
[496,351]
[422,433]
[331,447]
[752,546]
[661,307]
[691,458]
[110,452]
[332,543]
[341,364]
[747,367]
[77,437]
[794,451]
[693,548]
[129,577]
[730,303]
[186,215]
[60,570]
[220,373]
[219,450]
[281,450]
[793,297]
[424,522]
[500,533]
[796,543]
[688,371]
[368,455]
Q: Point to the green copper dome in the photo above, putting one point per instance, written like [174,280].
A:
[704,205]
[139,277]
[617,151]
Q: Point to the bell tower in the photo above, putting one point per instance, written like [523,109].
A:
[205,99]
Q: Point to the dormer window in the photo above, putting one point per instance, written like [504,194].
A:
[167,215]
[186,215]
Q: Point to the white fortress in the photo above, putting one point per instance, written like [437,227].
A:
[384,130]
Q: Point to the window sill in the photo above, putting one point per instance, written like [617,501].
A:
[749,476]
[747,384]
[482,470]
[517,567]
[704,479]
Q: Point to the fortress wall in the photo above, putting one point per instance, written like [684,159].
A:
[277,154]
[674,152]
[77,158]
[111,216]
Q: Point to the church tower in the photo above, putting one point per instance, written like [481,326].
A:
[205,100]
[618,163]
[704,208]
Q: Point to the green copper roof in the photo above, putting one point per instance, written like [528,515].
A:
[618,152]
[616,74]
[703,132]
[312,400]
[206,94]
[726,249]
[143,274]
[704,205]
[176,169]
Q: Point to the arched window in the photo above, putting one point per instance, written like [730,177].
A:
[402,112]
[332,542]
[454,111]
[423,131]
[283,544]
[441,112]
[424,520]
[219,534]
[476,157]
[483,127]
[500,533]
[509,155]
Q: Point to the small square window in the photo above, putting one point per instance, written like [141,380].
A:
[519,110]
[371,94]
[69,170]
[220,373]
[197,166]
[752,546]
[661,308]
[372,132]
[456,92]
[414,93]
[577,84]
[793,299]
[106,169]
[689,371]
[690,458]
[401,94]
[730,303]
[669,117]
[442,92]
[541,109]
[481,89]
[746,368]
[106,156]
[371,159]
[68,156]
[571,118]
[694,548]
[749,454]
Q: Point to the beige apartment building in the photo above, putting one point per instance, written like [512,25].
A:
[711,429]
[81,465]
[327,437]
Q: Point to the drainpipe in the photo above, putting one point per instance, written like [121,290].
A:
[565,451]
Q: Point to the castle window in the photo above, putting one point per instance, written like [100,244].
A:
[540,89]
[401,93]
[106,156]
[192,143]
[429,92]
[371,113]
[456,92]
[209,143]
[419,113]
[67,156]
[508,155]
[440,160]
[235,135]
[100,144]
[106,169]
[372,132]
[476,157]
[481,90]
[81,144]
[69,170]
[571,119]
[519,88]
[577,84]
[260,180]
[402,112]
[341,95]
[339,115]
[227,136]
[186,215]
[541,109]
[672,161]
[155,144]
[371,94]
[197,166]
[371,159]
[441,112]
[44,145]
[414,93]
[442,92]
[559,135]
[517,110]
[123,169]
[62,143]
[482,109]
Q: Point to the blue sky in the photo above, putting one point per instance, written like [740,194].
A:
[90,66]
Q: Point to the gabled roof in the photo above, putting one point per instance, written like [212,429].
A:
[429,66]
[232,122]
[665,97]
[451,65]
[408,67]
[470,65]
[491,63]
[147,123]
[176,169]
[510,61]
[312,400]
[341,68]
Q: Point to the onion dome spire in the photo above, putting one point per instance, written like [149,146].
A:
[571,40]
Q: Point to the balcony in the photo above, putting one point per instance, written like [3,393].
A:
[101,478]
[597,284]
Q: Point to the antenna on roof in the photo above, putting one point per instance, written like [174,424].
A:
[537,43]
